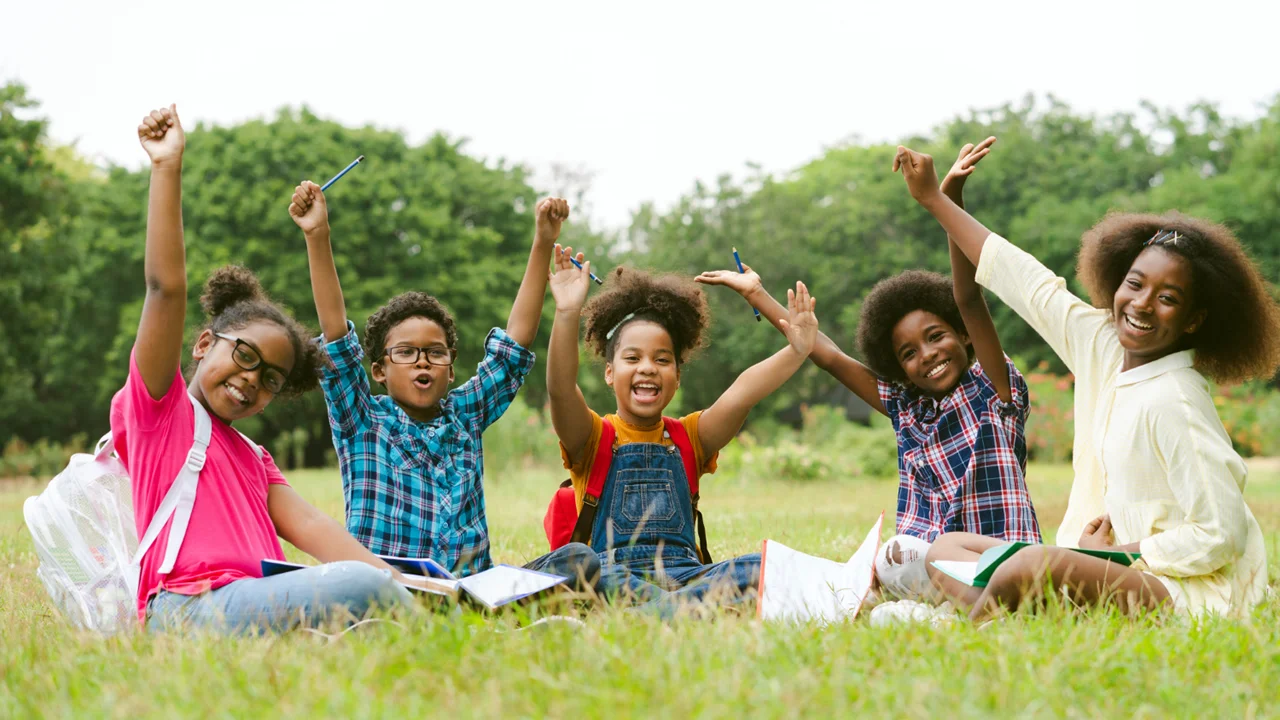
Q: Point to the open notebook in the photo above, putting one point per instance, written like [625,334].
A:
[797,587]
[498,586]
[978,574]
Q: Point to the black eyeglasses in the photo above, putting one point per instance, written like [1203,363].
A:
[248,357]
[408,355]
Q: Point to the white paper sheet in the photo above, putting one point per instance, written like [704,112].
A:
[797,587]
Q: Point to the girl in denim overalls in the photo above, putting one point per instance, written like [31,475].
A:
[645,326]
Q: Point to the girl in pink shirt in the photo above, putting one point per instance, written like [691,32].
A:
[249,352]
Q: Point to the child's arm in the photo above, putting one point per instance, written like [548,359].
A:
[526,311]
[570,415]
[720,422]
[310,211]
[826,354]
[158,349]
[973,308]
[320,536]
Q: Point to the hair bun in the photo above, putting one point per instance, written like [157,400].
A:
[228,286]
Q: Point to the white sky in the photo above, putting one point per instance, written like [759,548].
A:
[650,96]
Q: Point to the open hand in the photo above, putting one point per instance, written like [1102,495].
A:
[801,325]
[1097,534]
[917,168]
[744,283]
[308,208]
[569,284]
[551,213]
[161,135]
[968,159]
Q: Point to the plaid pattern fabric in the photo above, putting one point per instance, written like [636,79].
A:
[416,489]
[962,460]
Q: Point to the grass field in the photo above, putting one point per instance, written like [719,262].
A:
[1053,665]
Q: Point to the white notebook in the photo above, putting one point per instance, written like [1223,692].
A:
[796,587]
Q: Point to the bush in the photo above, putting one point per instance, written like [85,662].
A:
[1051,422]
[827,446]
[1251,414]
[42,460]
[521,439]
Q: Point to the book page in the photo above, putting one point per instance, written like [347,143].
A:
[502,584]
[964,571]
[796,587]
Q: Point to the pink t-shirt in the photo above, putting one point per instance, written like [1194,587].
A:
[230,531]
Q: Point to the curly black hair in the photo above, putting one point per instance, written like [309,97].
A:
[893,299]
[401,308]
[1240,338]
[673,301]
[233,298]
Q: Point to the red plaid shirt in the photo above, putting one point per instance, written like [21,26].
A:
[962,459]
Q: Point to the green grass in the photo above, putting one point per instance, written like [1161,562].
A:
[1054,665]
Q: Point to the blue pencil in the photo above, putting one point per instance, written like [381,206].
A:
[738,260]
[574,260]
[345,170]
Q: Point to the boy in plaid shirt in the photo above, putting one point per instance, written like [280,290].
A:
[962,453]
[412,463]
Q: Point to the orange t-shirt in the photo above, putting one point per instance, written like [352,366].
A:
[627,433]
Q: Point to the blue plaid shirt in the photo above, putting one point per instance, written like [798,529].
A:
[415,489]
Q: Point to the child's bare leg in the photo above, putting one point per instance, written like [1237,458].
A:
[1035,571]
[960,546]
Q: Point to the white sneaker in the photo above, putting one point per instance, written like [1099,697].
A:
[910,611]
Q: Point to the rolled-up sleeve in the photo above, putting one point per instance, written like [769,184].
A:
[499,376]
[345,384]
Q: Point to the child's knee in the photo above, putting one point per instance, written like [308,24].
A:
[1020,572]
[362,583]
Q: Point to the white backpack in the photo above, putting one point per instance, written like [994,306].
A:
[83,528]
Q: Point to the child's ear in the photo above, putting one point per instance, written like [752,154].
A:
[450,374]
[203,343]
[379,373]
[1197,321]
[608,374]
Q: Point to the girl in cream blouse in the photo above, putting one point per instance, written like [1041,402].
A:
[1177,299]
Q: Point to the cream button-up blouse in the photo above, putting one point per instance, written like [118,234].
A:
[1149,447]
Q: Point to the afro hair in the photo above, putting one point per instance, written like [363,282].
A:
[672,301]
[1240,338]
[401,308]
[893,299]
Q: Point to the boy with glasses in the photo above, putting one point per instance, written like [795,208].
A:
[411,460]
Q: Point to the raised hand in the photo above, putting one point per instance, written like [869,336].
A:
[309,209]
[551,213]
[161,135]
[801,325]
[968,159]
[744,283]
[569,284]
[917,168]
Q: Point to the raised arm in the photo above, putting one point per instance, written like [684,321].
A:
[826,354]
[720,422]
[158,348]
[526,311]
[310,211]
[570,415]
[1079,333]
[973,308]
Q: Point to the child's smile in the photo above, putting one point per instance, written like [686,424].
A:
[932,354]
[643,372]
[1153,307]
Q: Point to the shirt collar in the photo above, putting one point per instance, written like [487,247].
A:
[1155,368]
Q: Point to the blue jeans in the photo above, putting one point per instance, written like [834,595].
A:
[334,592]
[689,584]
[576,561]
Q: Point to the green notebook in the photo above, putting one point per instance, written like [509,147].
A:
[979,573]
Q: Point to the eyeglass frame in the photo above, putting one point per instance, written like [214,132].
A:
[284,376]
[453,355]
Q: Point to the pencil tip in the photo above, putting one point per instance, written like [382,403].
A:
[735,249]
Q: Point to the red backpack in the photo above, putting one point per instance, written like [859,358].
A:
[563,524]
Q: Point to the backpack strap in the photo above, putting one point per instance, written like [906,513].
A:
[180,499]
[680,437]
[595,484]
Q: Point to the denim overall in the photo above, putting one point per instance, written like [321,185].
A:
[645,525]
